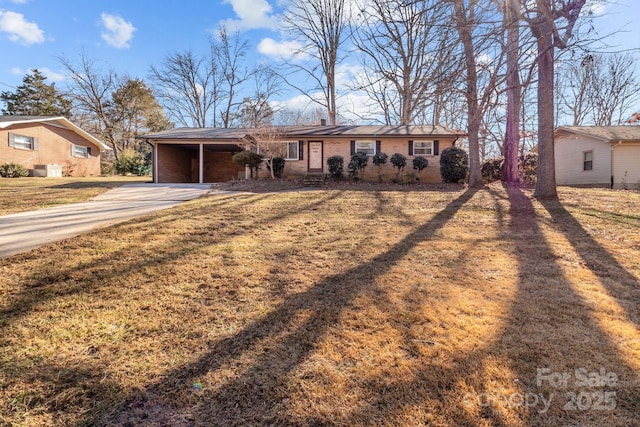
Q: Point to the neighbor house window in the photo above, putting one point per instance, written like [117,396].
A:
[366,147]
[80,151]
[23,142]
[424,148]
[587,160]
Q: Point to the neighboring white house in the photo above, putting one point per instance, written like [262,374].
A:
[598,156]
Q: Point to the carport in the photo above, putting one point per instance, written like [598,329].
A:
[196,155]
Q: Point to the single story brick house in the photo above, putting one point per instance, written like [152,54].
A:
[202,155]
[48,145]
[603,156]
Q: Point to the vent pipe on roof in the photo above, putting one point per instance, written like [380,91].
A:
[323,122]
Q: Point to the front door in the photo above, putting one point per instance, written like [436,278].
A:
[315,156]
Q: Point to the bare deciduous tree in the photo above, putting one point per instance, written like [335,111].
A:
[188,87]
[91,89]
[510,172]
[472,22]
[269,141]
[551,23]
[228,53]
[321,27]
[408,56]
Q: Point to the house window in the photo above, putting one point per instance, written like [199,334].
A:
[366,147]
[289,150]
[292,150]
[424,148]
[22,142]
[80,151]
[587,160]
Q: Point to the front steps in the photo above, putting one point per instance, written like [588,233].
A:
[314,180]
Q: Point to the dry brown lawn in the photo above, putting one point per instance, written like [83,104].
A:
[25,194]
[436,306]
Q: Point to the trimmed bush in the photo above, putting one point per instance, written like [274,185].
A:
[380,159]
[398,161]
[420,163]
[454,164]
[248,158]
[278,166]
[357,165]
[336,166]
[13,170]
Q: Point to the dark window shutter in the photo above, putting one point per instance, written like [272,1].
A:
[378,147]
[353,148]
[411,148]
[300,150]
[36,144]
[12,139]
[436,148]
[88,151]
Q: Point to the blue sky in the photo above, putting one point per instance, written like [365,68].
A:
[130,35]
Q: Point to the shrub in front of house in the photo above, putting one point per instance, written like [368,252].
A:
[248,158]
[380,159]
[420,164]
[278,166]
[336,166]
[357,165]
[399,162]
[454,164]
[13,170]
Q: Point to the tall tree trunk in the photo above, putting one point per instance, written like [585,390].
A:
[542,29]
[510,172]
[463,26]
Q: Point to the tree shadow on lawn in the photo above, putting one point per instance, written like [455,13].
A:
[530,372]
[610,273]
[43,288]
[282,339]
[53,382]
[550,332]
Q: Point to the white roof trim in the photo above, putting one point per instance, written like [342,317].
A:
[60,121]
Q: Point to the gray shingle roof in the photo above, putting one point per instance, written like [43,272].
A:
[606,133]
[306,131]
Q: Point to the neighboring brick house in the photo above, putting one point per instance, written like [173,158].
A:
[201,155]
[49,143]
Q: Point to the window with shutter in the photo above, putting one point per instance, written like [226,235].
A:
[22,142]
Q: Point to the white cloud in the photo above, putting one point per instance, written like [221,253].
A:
[19,30]
[52,76]
[252,14]
[118,32]
[598,9]
[284,49]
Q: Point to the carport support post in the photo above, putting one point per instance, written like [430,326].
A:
[201,165]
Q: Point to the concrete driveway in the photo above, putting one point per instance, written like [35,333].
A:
[27,230]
